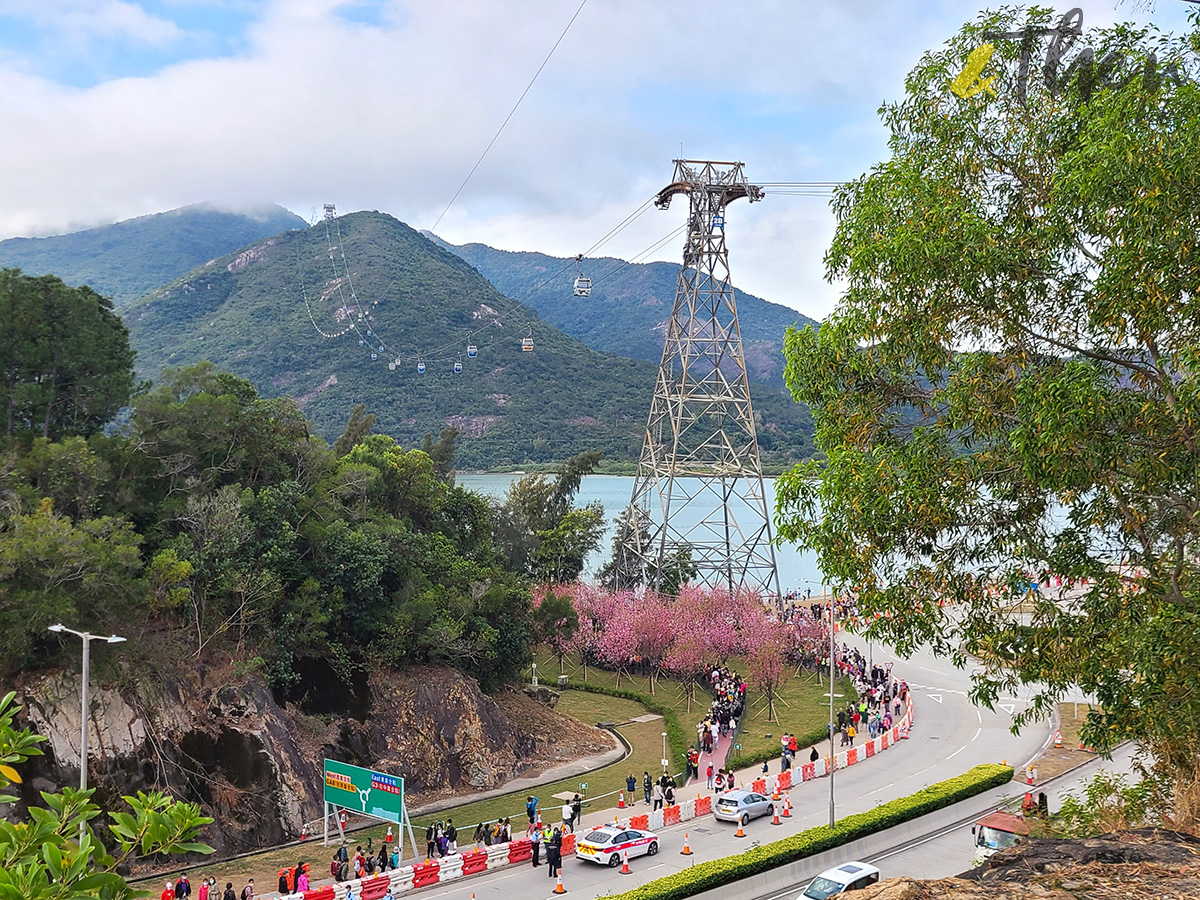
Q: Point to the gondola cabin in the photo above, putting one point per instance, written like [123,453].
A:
[472,351]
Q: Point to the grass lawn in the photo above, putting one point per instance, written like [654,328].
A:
[802,705]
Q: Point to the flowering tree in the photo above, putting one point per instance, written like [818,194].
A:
[766,643]
[617,636]
[656,625]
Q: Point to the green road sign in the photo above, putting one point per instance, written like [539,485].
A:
[372,793]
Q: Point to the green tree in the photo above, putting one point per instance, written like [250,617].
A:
[1009,386]
[537,529]
[45,858]
[68,365]
[358,426]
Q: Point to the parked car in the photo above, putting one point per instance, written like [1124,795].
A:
[607,845]
[742,806]
[849,876]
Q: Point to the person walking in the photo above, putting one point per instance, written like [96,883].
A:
[168,893]
[202,893]
[646,783]
[568,817]
[658,796]
[710,775]
[576,811]
[451,837]
[531,808]
[229,894]
[183,887]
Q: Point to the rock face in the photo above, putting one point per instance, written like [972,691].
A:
[255,764]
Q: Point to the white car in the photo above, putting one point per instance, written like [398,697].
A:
[608,844]
[850,876]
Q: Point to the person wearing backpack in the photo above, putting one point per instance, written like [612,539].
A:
[248,890]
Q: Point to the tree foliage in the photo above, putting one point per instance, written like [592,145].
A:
[219,518]
[67,363]
[538,529]
[1008,388]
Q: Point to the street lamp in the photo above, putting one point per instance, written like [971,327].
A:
[87,641]
[832,749]
[664,756]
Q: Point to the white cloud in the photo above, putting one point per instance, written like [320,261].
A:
[76,20]
[391,117]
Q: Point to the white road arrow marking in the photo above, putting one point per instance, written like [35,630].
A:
[1008,708]
[937,697]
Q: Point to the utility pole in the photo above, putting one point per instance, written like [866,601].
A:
[832,653]
[699,490]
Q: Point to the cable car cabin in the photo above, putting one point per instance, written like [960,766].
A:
[583,286]
[361,342]
[420,368]
[472,351]
[374,356]
[527,345]
[458,368]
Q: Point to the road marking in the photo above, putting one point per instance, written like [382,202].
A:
[1008,708]
[978,732]
[937,697]
[979,716]
[956,752]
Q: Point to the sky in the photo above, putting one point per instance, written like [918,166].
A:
[119,108]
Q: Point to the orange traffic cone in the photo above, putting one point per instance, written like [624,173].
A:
[775,821]
[775,795]
[304,832]
[686,851]
[621,800]
[558,888]
[625,865]
[787,805]
[739,832]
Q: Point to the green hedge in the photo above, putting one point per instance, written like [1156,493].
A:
[676,739]
[709,875]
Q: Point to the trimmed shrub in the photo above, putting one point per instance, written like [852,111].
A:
[709,875]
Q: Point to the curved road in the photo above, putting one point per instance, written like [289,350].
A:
[948,738]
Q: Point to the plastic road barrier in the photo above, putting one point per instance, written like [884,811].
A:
[452,867]
[425,874]
[402,879]
[476,861]
[641,823]
[703,806]
[374,888]
[497,856]
[670,815]
[519,850]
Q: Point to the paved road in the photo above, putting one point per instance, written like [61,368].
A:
[950,736]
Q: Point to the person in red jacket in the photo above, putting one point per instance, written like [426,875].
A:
[168,892]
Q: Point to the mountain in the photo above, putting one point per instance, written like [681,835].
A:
[257,313]
[629,305]
[127,259]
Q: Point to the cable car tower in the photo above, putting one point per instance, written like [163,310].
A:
[699,488]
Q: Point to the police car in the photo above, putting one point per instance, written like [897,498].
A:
[608,844]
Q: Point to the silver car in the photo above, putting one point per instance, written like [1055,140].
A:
[742,806]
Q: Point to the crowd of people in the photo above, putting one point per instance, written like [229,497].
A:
[729,701]
[208,889]
[881,697]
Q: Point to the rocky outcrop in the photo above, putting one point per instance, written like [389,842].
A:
[255,764]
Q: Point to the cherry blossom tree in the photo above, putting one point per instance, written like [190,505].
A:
[766,643]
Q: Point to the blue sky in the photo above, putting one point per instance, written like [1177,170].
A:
[117,108]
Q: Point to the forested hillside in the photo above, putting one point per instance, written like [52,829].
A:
[125,260]
[286,317]
[628,306]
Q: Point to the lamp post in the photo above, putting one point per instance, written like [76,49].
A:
[832,749]
[664,756]
[87,642]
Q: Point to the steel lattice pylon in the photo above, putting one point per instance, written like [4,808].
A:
[699,486]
